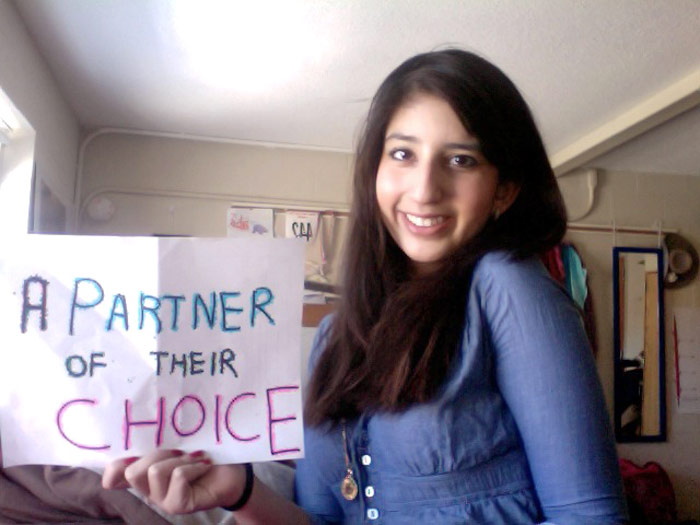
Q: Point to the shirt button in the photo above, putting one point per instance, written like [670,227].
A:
[369,491]
[366,460]
[372,514]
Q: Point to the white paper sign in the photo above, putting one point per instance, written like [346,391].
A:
[301,225]
[112,347]
[687,341]
[244,222]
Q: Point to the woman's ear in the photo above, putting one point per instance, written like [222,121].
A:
[506,193]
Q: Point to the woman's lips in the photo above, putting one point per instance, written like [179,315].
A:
[424,224]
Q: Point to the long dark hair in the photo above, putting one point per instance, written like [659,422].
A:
[394,335]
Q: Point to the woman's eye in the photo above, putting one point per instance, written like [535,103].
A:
[463,161]
[400,154]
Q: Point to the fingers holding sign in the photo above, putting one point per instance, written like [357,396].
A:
[176,482]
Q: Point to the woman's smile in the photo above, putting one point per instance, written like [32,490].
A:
[426,224]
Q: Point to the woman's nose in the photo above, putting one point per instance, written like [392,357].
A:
[426,183]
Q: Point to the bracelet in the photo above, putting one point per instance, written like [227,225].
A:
[247,490]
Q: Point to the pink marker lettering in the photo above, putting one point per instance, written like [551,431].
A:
[59,424]
[202,412]
[278,420]
[217,415]
[128,423]
[228,413]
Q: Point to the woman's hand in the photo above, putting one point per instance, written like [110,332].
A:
[176,482]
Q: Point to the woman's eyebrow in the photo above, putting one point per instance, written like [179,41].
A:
[475,146]
[401,136]
[472,146]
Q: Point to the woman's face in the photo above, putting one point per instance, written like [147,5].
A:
[435,189]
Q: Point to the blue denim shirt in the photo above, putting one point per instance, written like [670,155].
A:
[518,434]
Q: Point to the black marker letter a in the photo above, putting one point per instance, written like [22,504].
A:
[27,305]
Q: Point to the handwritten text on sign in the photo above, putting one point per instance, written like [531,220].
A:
[116,346]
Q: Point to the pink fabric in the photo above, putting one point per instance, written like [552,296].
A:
[554,264]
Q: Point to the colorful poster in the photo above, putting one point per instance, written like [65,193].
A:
[244,222]
[112,347]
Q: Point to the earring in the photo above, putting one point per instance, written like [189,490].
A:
[496,214]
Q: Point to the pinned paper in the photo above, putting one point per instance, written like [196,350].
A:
[113,347]
[244,222]
[301,225]
[686,333]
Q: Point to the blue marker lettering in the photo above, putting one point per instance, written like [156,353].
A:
[176,309]
[228,309]
[119,298]
[197,301]
[256,303]
[153,310]
[75,304]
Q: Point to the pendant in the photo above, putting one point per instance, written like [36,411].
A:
[348,488]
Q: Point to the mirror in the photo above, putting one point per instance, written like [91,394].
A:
[640,413]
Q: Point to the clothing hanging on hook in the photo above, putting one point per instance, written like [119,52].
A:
[326,232]
[315,252]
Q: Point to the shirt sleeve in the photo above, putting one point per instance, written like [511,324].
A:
[311,492]
[546,373]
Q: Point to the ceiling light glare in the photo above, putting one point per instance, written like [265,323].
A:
[244,46]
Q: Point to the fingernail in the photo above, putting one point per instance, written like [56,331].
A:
[129,461]
[206,461]
[197,454]
[177,453]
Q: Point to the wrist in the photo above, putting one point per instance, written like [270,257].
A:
[247,490]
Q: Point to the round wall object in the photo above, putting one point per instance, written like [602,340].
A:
[101,209]
[681,261]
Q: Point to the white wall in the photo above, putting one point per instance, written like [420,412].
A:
[173,186]
[26,79]
[631,199]
[124,161]
[16,166]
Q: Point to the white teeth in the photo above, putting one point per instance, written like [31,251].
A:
[424,222]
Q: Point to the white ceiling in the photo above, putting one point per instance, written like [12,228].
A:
[302,71]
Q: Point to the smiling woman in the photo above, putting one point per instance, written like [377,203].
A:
[452,349]
[435,188]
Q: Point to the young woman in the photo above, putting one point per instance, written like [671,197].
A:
[455,383]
